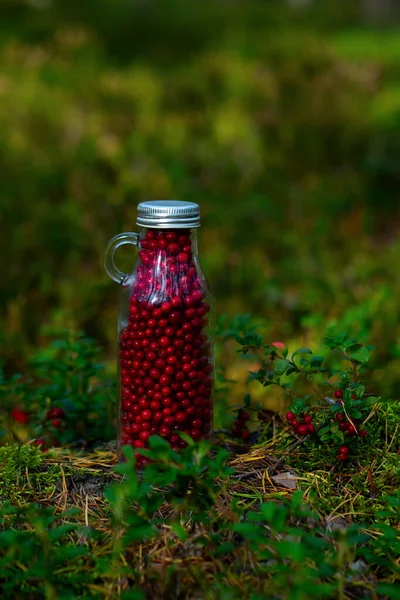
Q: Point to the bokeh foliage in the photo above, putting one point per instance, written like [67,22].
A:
[283,123]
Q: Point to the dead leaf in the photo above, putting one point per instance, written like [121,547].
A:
[287,480]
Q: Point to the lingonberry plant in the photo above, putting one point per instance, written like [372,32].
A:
[65,399]
[327,396]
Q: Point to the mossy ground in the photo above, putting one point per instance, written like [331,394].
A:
[173,563]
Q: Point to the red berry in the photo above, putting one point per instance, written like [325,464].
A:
[302,430]
[339,417]
[56,423]
[310,428]
[165,307]
[144,435]
[40,442]
[351,430]
[338,394]
[20,416]
[173,249]
[343,426]
[343,450]
[307,419]
[294,423]
[343,457]
[176,302]
[180,417]
[289,416]
[363,433]
[279,345]
[245,434]
[183,257]
[244,416]
[55,413]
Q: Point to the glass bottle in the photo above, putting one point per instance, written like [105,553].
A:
[166,329]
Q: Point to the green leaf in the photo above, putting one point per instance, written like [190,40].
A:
[302,351]
[280,366]
[317,361]
[250,531]
[158,443]
[360,391]
[391,590]
[355,414]
[179,531]
[324,430]
[371,400]
[358,353]
[225,548]
[132,594]
[291,370]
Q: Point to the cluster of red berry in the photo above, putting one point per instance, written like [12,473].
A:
[302,427]
[165,354]
[349,428]
[54,418]
[343,453]
[239,427]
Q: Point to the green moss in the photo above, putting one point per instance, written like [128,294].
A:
[25,474]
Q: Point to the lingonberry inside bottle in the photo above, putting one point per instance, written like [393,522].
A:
[165,330]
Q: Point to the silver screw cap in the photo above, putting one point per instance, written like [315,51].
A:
[162,214]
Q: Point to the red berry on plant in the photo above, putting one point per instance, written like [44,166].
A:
[363,433]
[56,423]
[343,450]
[244,416]
[311,428]
[20,416]
[338,394]
[351,430]
[307,419]
[55,413]
[302,430]
[289,416]
[245,434]
[279,345]
[343,426]
[343,457]
[339,417]
[40,442]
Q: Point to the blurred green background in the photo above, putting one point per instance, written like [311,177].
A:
[282,119]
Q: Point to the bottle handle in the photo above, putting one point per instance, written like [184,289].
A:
[116,242]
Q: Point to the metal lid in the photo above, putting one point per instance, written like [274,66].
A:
[162,214]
